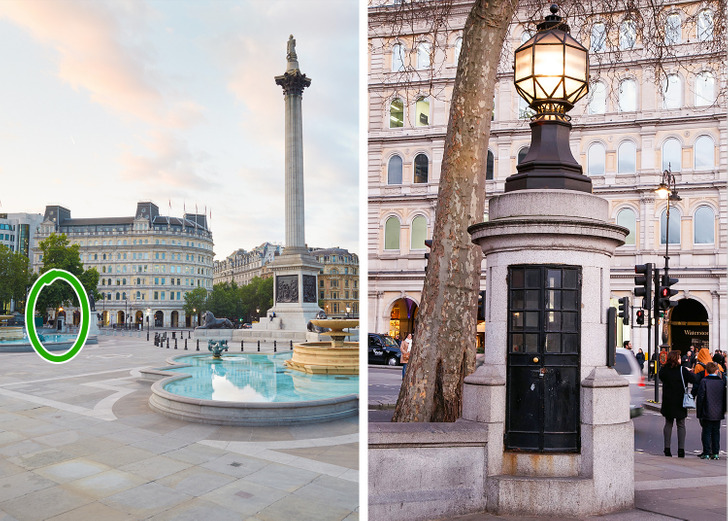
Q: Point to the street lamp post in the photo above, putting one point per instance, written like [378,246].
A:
[194,317]
[666,190]
[348,309]
[148,312]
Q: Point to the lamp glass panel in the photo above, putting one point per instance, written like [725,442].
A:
[547,86]
[548,60]
[528,88]
[575,66]
[523,63]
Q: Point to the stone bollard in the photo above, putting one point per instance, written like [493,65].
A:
[274,346]
[167,342]
[259,346]
[185,344]
[291,345]
[241,346]
[198,344]
[175,342]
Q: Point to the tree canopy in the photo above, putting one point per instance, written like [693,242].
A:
[14,276]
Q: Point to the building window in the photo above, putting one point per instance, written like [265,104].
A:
[704,152]
[458,49]
[397,57]
[489,165]
[705,26]
[391,234]
[394,170]
[704,89]
[596,159]
[704,226]
[423,55]
[626,218]
[421,168]
[672,155]
[422,112]
[419,233]
[673,29]
[598,100]
[627,158]
[396,113]
[672,89]
[627,96]
[522,154]
[598,37]
[627,35]
[675,218]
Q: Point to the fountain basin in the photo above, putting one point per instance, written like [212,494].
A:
[248,389]
[322,358]
[51,342]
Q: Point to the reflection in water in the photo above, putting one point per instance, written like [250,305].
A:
[255,378]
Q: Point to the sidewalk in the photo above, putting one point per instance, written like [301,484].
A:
[665,488]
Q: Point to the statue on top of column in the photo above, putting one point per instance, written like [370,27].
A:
[291,55]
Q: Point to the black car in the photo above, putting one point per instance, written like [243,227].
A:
[383,349]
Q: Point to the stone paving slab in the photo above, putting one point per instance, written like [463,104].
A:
[79,442]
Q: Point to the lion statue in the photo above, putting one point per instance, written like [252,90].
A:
[210,322]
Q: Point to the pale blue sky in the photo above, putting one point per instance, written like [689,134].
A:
[106,103]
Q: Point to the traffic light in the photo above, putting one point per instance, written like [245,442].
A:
[640,317]
[624,310]
[644,283]
[665,292]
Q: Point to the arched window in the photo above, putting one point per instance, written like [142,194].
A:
[703,226]
[673,29]
[423,55]
[421,168]
[626,218]
[489,165]
[394,170]
[675,218]
[422,112]
[704,89]
[627,96]
[522,154]
[672,155]
[396,113]
[419,233]
[672,89]
[626,158]
[705,26]
[598,100]
[397,57]
[117,295]
[598,37]
[627,35]
[596,159]
[704,152]
[391,234]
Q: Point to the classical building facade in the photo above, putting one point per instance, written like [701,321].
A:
[626,132]
[338,281]
[242,266]
[146,262]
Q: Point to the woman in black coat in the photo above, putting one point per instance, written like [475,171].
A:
[672,400]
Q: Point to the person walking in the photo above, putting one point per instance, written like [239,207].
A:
[627,344]
[405,348]
[710,410]
[640,356]
[674,378]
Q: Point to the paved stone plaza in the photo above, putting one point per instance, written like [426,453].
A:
[79,442]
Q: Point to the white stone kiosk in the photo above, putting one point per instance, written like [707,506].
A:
[551,231]
[295,288]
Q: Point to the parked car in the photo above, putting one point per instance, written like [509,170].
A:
[627,366]
[383,349]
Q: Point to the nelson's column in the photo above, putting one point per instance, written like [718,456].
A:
[295,271]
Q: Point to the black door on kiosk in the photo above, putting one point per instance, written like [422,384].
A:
[544,345]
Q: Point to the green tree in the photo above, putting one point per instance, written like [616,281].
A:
[195,300]
[58,253]
[225,300]
[257,295]
[14,277]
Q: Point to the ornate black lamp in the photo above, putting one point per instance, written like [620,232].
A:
[551,74]
[667,190]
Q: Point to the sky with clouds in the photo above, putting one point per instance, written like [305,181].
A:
[107,103]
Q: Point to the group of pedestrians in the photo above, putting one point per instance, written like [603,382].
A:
[708,392]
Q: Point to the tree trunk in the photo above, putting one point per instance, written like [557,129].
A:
[443,352]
